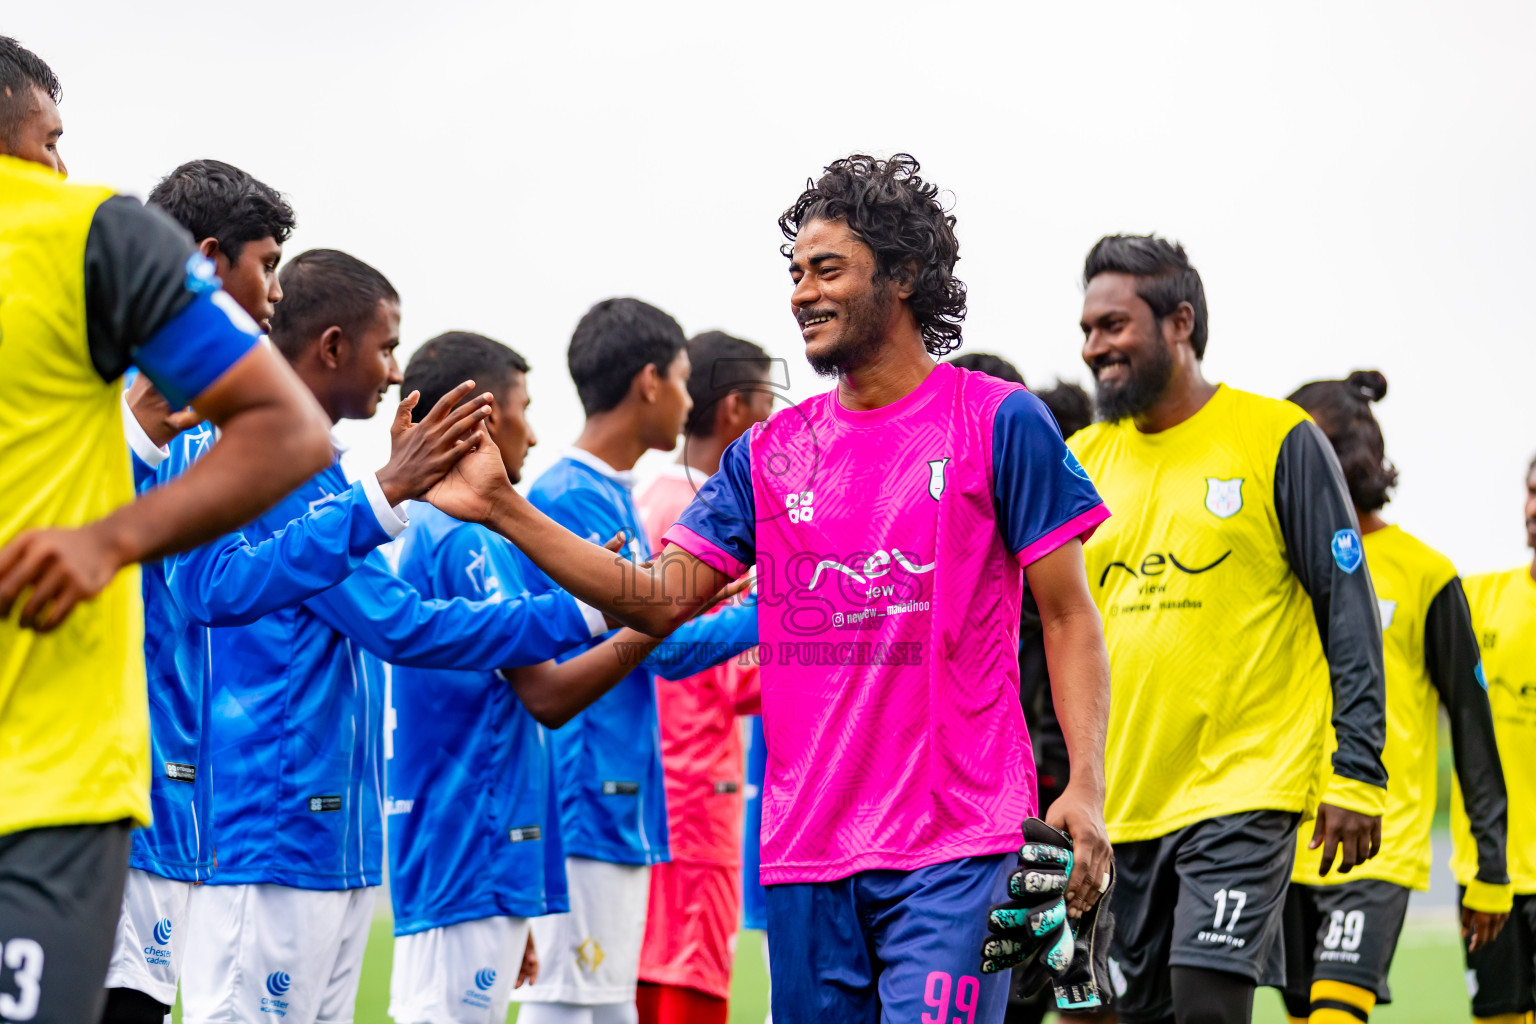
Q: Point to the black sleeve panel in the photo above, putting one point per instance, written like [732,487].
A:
[1450,654]
[1312,501]
[135,280]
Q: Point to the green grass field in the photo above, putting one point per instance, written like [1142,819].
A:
[1426,981]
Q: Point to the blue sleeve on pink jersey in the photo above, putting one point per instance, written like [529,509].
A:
[723,512]
[1039,486]
[195,347]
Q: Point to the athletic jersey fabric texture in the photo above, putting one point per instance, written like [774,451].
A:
[315,551]
[474,821]
[701,750]
[297,713]
[890,547]
[1232,585]
[1431,658]
[1504,614]
[92,282]
[608,757]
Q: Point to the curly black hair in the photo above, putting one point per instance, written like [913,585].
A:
[898,215]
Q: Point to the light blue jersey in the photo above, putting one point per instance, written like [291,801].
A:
[297,712]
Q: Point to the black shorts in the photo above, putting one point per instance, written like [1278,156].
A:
[1345,933]
[1210,896]
[1501,977]
[61,891]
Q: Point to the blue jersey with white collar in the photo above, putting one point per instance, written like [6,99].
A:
[297,701]
[305,556]
[608,758]
[474,827]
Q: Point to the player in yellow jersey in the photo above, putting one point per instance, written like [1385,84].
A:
[1341,932]
[91,283]
[1501,976]
[1232,585]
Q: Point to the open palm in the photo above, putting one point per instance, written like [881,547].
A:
[475,486]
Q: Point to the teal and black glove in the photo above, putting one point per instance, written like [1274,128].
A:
[1030,931]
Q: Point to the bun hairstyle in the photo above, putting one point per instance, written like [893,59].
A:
[1342,409]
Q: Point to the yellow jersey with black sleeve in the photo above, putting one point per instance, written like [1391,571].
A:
[1232,588]
[89,283]
[1504,614]
[1431,659]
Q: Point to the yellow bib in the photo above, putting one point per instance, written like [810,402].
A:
[74,722]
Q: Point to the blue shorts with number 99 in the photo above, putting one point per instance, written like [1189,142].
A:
[894,947]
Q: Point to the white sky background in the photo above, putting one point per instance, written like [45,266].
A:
[1355,183]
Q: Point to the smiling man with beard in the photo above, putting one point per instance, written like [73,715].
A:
[1233,589]
[901,511]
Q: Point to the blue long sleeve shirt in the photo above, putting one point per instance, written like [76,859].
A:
[297,700]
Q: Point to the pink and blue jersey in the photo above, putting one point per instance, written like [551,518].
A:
[890,546]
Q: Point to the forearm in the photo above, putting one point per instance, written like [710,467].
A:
[231,582]
[554,693]
[262,455]
[652,600]
[1078,667]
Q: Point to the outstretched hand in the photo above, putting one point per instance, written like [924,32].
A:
[420,453]
[476,485]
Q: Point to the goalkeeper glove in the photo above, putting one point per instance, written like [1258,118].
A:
[1031,928]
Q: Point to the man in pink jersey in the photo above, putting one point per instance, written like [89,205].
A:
[893,522]
[695,904]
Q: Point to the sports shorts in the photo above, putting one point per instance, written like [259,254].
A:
[262,953]
[1346,932]
[459,974]
[888,945]
[61,890]
[151,935]
[1209,895]
[1501,977]
[691,927]
[590,956]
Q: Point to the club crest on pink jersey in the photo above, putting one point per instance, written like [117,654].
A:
[936,477]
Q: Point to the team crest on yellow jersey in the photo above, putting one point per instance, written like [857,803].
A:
[1223,498]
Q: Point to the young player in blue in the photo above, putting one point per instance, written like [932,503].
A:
[298,699]
[474,836]
[629,362]
[240,224]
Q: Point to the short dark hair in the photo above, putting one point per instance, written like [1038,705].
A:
[213,199]
[21,71]
[1164,272]
[993,366]
[450,359]
[616,339]
[1342,409]
[722,364]
[898,215]
[1070,406]
[326,288]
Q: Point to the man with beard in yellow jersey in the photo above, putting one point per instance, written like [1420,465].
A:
[1501,976]
[1233,591]
[1341,933]
[91,283]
